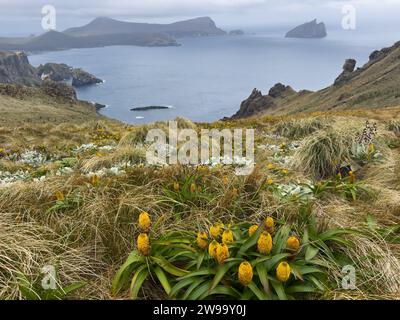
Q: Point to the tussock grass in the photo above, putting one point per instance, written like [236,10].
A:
[394,126]
[138,135]
[322,154]
[124,154]
[296,129]
[25,248]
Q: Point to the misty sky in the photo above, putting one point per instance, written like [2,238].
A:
[21,17]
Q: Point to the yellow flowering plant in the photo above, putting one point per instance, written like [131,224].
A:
[258,267]
[263,266]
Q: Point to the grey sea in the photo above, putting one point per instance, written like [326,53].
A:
[205,79]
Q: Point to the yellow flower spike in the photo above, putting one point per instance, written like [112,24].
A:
[371,148]
[270,182]
[227,237]
[235,192]
[264,243]
[216,230]
[283,271]
[285,171]
[245,273]
[352,177]
[339,176]
[269,225]
[143,244]
[252,230]
[222,253]
[144,222]
[193,188]
[212,249]
[94,180]
[59,196]
[176,186]
[270,166]
[202,240]
[225,181]
[293,244]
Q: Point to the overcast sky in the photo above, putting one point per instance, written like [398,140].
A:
[24,16]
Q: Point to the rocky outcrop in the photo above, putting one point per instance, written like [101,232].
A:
[258,103]
[55,71]
[310,29]
[82,78]
[281,91]
[58,90]
[63,72]
[15,68]
[348,69]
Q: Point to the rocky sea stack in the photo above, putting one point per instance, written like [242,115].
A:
[310,29]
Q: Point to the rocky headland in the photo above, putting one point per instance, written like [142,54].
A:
[374,85]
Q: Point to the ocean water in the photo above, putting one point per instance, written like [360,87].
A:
[206,79]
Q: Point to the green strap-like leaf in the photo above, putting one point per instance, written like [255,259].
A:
[279,289]
[123,274]
[180,285]
[200,291]
[137,281]
[193,286]
[202,272]
[302,288]
[311,252]
[250,242]
[258,293]
[169,267]
[200,259]
[225,291]
[221,271]
[269,264]
[162,277]
[263,275]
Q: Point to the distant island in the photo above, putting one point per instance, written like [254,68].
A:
[148,108]
[236,32]
[310,29]
[109,32]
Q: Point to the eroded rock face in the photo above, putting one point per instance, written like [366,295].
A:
[310,29]
[280,91]
[257,102]
[15,69]
[55,71]
[58,90]
[254,104]
[347,74]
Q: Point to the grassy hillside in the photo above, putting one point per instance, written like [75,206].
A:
[374,85]
[22,105]
[71,195]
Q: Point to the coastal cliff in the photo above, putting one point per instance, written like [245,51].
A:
[15,68]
